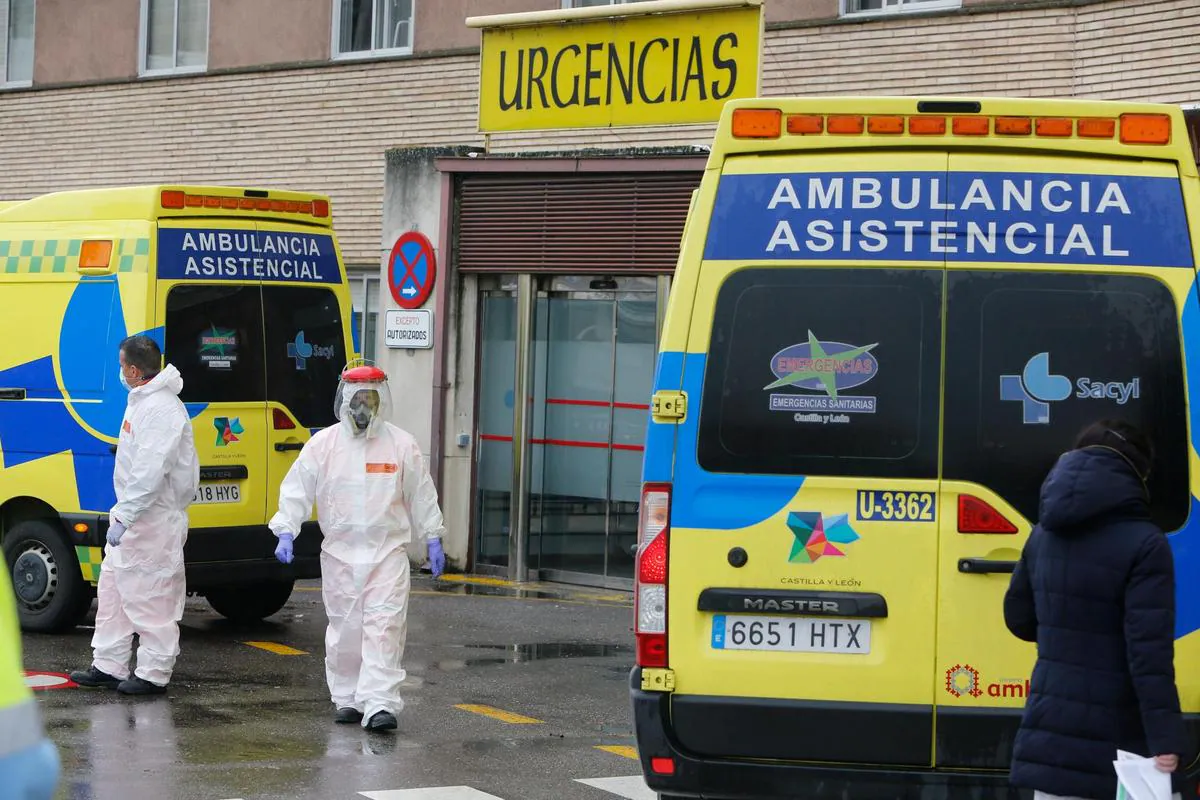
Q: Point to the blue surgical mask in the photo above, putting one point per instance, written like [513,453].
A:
[124,383]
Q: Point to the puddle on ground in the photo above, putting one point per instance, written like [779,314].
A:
[525,653]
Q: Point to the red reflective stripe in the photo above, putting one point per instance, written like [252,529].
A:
[563,401]
[632,448]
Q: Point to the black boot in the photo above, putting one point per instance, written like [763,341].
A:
[347,716]
[94,678]
[140,686]
[382,721]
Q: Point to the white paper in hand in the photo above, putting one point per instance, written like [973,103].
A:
[1139,779]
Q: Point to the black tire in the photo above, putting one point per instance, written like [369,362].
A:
[251,602]
[52,595]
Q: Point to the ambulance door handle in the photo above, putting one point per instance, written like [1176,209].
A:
[983,566]
[12,394]
[284,447]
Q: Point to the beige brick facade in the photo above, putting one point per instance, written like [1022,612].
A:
[326,128]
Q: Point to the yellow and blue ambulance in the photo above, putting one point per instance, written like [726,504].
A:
[890,316]
[245,291]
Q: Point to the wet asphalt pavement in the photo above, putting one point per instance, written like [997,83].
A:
[245,722]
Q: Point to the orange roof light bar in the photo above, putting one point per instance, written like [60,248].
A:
[927,126]
[883,124]
[172,198]
[971,126]
[805,124]
[1014,126]
[1096,128]
[757,123]
[1054,126]
[1145,129]
[845,123]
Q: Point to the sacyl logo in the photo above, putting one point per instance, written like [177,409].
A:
[1037,387]
[301,351]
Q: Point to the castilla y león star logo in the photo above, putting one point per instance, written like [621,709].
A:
[818,536]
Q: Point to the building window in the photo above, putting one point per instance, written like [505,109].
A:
[174,36]
[874,7]
[364,298]
[16,45]
[372,27]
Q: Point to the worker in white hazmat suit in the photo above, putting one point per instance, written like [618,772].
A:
[142,588]
[374,495]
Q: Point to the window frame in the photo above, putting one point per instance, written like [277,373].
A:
[369,280]
[6,52]
[365,55]
[570,4]
[899,7]
[144,70]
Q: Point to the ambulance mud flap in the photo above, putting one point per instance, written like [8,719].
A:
[732,779]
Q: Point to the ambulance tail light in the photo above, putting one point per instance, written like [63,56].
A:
[1145,129]
[281,421]
[757,123]
[650,596]
[978,516]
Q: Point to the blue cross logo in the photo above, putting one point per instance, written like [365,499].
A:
[300,350]
[1036,388]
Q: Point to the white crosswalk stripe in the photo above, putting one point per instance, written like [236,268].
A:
[631,788]
[435,793]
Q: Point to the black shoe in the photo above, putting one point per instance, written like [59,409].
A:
[347,716]
[382,721]
[94,678]
[137,685]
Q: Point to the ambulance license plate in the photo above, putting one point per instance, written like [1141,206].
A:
[791,634]
[211,493]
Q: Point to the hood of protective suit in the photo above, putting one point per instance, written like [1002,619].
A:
[362,408]
[169,380]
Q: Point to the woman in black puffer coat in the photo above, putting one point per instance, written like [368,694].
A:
[1095,588]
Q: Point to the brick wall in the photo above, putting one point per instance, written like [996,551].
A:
[326,129]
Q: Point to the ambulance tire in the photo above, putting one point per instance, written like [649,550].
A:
[52,595]
[250,603]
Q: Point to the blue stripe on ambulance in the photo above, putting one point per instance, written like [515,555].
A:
[30,430]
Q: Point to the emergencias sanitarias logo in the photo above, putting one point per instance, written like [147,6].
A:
[820,371]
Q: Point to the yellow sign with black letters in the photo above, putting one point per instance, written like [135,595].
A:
[656,63]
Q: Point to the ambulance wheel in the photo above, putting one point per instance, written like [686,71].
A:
[250,603]
[52,595]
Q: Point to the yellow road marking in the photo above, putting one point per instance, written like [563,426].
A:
[499,714]
[619,750]
[277,648]
[476,579]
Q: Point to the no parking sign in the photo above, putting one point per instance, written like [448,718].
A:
[412,270]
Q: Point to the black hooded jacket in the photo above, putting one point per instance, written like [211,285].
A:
[1095,588]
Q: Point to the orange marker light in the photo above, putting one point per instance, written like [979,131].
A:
[805,123]
[971,126]
[95,254]
[1097,128]
[885,124]
[757,123]
[320,208]
[172,198]
[81,527]
[1145,128]
[927,126]
[1014,126]
[846,124]
[1053,126]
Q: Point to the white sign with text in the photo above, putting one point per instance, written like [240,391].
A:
[408,330]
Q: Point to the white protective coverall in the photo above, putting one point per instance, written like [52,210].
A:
[373,494]
[142,588]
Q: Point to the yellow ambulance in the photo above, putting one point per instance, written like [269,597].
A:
[890,316]
[245,291]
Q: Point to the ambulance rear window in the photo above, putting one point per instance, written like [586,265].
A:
[1032,358]
[305,351]
[824,372]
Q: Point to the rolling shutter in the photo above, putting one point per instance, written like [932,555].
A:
[591,223]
